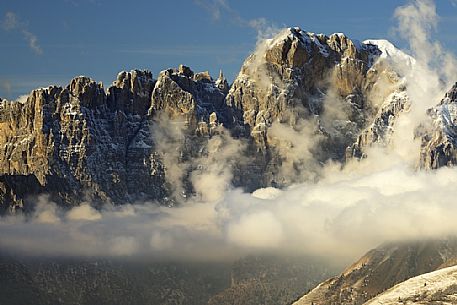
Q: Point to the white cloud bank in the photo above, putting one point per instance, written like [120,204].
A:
[11,22]
[342,216]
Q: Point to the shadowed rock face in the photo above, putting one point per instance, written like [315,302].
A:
[99,146]
[439,141]
[102,146]
[194,98]
[131,92]
[71,133]
[381,269]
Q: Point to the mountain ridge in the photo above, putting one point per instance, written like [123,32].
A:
[380,269]
[112,145]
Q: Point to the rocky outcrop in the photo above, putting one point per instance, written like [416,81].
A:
[289,77]
[71,134]
[439,140]
[131,92]
[330,90]
[286,79]
[100,146]
[380,131]
[196,99]
[381,269]
[15,189]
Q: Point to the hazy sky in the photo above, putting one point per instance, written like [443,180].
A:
[51,41]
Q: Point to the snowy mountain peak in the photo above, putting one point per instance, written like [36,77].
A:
[390,51]
[377,48]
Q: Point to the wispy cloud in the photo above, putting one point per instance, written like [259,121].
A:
[220,8]
[214,7]
[11,22]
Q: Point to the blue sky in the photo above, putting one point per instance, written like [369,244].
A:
[51,41]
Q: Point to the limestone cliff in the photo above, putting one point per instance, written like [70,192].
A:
[439,141]
[82,143]
[338,95]
[300,100]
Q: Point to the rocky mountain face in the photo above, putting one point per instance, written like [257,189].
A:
[381,269]
[80,143]
[332,92]
[439,141]
[301,99]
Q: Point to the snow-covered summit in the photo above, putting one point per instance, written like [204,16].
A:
[377,48]
[391,52]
